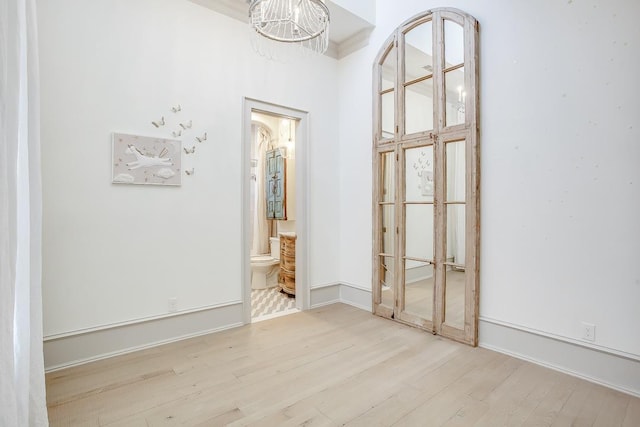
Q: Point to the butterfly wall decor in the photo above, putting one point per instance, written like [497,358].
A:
[159,122]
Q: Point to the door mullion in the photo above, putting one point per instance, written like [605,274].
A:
[400,232]
[377,232]
[439,223]
[439,232]
[399,195]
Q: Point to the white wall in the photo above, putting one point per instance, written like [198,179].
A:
[115,253]
[560,125]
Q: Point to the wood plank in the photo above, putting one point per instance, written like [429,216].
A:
[549,408]
[614,409]
[632,415]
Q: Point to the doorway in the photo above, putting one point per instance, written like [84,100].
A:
[274,231]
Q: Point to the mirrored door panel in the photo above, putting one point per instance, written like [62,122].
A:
[417,283]
[385,273]
[418,79]
[455,214]
[386,93]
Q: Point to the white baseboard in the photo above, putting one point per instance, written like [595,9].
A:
[73,349]
[346,293]
[611,370]
[356,296]
[325,295]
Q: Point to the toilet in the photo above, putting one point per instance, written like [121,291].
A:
[265,268]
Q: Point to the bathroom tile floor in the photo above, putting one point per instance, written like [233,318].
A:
[270,303]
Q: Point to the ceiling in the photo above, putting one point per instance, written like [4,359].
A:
[347,31]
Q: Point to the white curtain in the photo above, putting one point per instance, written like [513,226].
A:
[22,389]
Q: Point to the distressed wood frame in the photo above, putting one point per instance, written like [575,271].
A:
[438,137]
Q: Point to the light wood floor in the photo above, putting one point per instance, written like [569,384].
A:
[332,366]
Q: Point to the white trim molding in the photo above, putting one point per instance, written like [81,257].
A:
[347,293]
[326,294]
[613,370]
[71,349]
[356,296]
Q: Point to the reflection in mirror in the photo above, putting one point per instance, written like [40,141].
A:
[456,167]
[387,275]
[453,44]
[419,231]
[387,103]
[387,174]
[419,106]
[454,297]
[388,229]
[418,289]
[418,52]
[456,234]
[456,96]
[419,175]
[388,71]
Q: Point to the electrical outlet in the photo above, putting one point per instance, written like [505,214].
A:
[173,305]
[588,331]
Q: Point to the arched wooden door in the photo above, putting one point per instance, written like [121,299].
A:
[427,175]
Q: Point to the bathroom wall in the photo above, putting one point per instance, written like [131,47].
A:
[559,154]
[116,254]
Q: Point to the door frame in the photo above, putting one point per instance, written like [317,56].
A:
[302,190]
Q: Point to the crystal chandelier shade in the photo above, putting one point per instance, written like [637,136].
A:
[305,22]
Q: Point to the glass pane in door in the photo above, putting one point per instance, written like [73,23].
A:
[454,297]
[456,96]
[419,231]
[419,177]
[418,98]
[387,177]
[456,234]
[418,52]
[388,71]
[418,289]
[418,78]
[456,169]
[453,43]
[387,278]
[388,229]
[387,197]
[387,118]
[455,269]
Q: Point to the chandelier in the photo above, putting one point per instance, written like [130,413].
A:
[303,22]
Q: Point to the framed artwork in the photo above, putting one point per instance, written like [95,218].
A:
[146,160]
